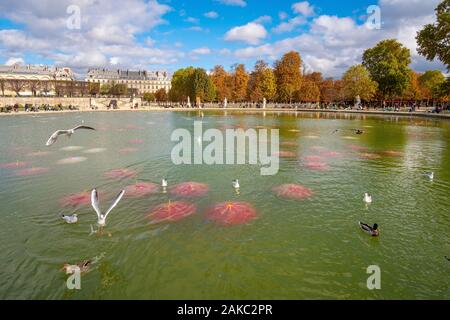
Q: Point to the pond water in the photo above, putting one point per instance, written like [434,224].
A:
[304,247]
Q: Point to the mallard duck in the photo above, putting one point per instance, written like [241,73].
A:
[83,266]
[373,231]
[367,198]
[70,219]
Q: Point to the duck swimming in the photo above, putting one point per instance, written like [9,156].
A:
[367,198]
[429,175]
[373,231]
[70,219]
[83,266]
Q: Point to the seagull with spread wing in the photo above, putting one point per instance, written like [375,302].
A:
[102,217]
[68,133]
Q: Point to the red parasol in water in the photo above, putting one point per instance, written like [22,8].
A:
[14,165]
[317,165]
[172,211]
[313,158]
[31,171]
[232,213]
[76,199]
[357,148]
[285,154]
[140,189]
[370,156]
[189,189]
[121,173]
[128,150]
[136,141]
[293,191]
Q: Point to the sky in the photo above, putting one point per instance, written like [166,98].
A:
[170,34]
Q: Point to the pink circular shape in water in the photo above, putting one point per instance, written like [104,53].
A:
[331,154]
[370,156]
[38,154]
[289,143]
[121,173]
[172,211]
[313,158]
[140,189]
[232,213]
[392,153]
[293,191]
[136,141]
[128,150]
[318,166]
[14,165]
[76,199]
[32,171]
[190,189]
[285,154]
[357,148]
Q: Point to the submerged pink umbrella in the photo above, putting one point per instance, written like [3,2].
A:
[289,143]
[357,148]
[370,156]
[76,199]
[140,189]
[317,165]
[32,171]
[38,154]
[136,141]
[285,154]
[172,211]
[121,173]
[293,191]
[190,189]
[392,153]
[232,213]
[313,158]
[331,154]
[14,165]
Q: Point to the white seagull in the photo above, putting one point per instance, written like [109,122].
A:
[102,217]
[68,133]
[164,183]
[70,219]
[430,175]
[235,184]
[367,198]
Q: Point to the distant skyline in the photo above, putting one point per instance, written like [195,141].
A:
[170,34]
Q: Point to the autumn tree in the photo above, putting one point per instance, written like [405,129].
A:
[413,90]
[261,83]
[222,82]
[240,79]
[433,40]
[308,91]
[148,97]
[357,82]
[94,88]
[288,75]
[161,95]
[387,64]
[431,82]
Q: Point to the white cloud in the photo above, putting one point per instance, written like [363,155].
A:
[282,15]
[195,28]
[211,15]
[263,19]
[191,20]
[303,8]
[13,60]
[290,25]
[239,3]
[201,51]
[251,33]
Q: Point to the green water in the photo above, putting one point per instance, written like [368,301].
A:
[307,249]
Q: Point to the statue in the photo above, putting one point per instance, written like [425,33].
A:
[225,102]
[264,103]
[189,102]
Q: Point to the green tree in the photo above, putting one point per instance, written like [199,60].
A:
[119,89]
[261,83]
[387,64]
[149,97]
[94,88]
[180,88]
[105,89]
[239,82]
[434,39]
[357,82]
[201,86]
[431,82]
[288,75]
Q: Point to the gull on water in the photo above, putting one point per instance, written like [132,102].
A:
[102,217]
[68,132]
[70,219]
[164,184]
[367,198]
[429,175]
[235,184]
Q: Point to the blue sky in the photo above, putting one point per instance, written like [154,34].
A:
[169,34]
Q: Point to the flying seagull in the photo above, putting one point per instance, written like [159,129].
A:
[68,132]
[102,217]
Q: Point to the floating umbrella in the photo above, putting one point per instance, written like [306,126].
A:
[140,189]
[14,165]
[317,165]
[76,199]
[71,148]
[313,158]
[128,150]
[370,156]
[285,154]
[190,189]
[121,173]
[95,150]
[293,191]
[331,154]
[232,213]
[136,141]
[38,154]
[172,211]
[32,171]
[357,148]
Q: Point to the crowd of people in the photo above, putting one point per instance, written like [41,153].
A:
[36,108]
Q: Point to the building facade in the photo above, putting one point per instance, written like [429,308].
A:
[137,81]
[32,80]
